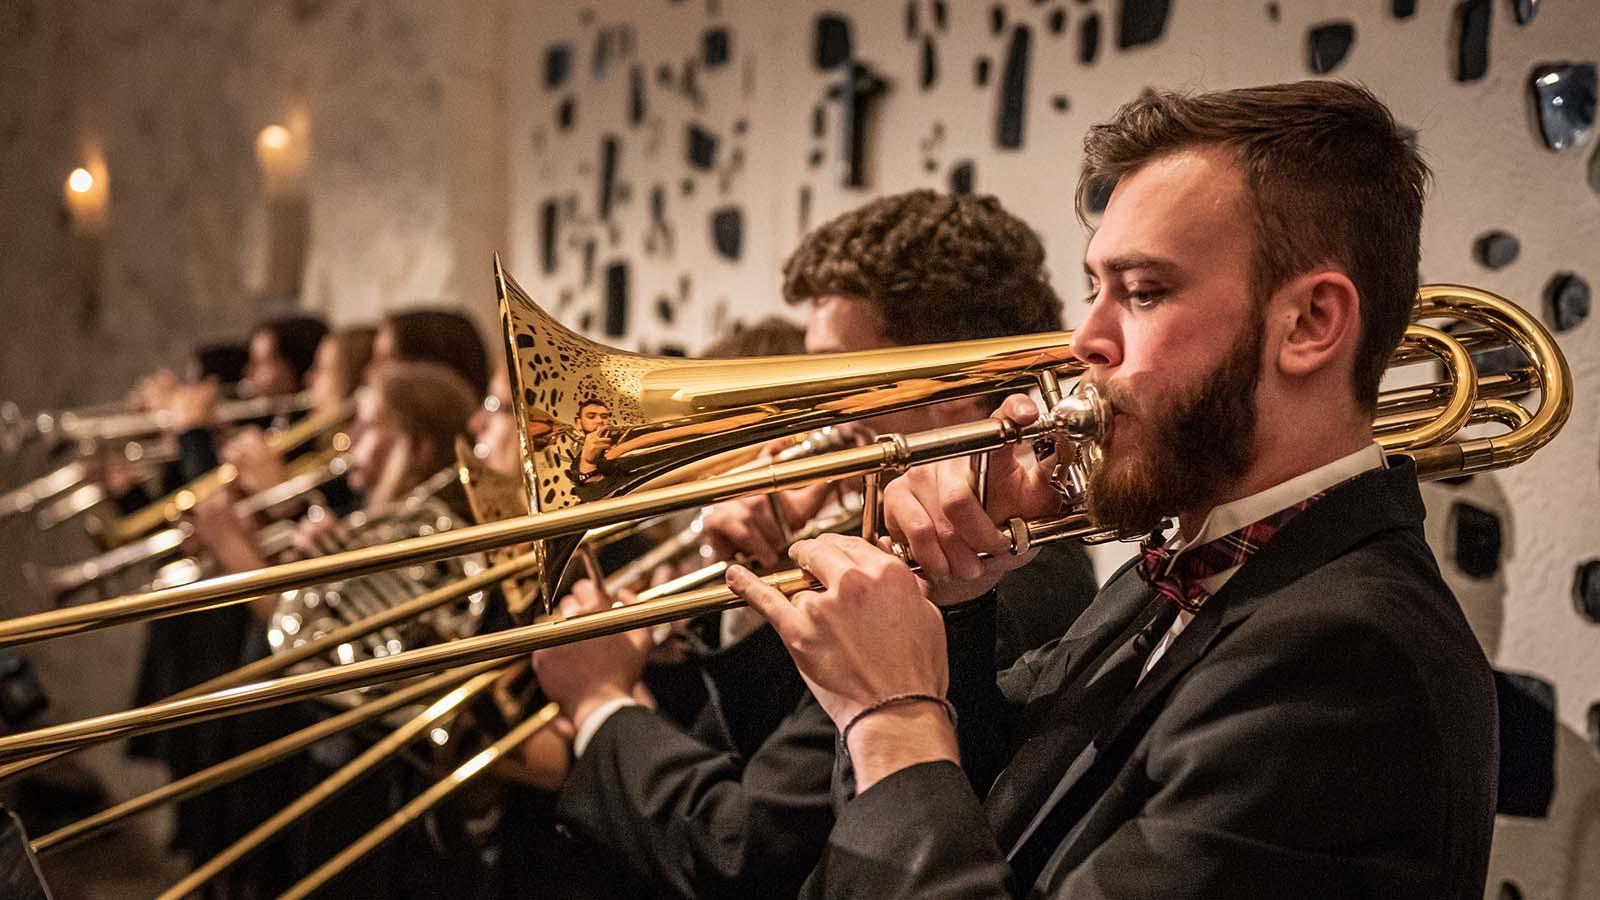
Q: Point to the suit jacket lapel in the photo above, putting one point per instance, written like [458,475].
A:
[1349,515]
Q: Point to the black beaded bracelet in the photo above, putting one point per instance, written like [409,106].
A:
[891,700]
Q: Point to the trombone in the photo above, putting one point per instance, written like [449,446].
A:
[674,411]
[107,423]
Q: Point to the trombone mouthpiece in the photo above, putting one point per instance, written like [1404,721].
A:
[1081,416]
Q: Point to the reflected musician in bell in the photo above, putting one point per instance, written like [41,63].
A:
[740,804]
[1280,700]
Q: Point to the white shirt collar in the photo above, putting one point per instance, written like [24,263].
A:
[1236,514]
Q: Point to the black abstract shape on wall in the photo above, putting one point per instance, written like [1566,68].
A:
[557,65]
[549,234]
[1089,39]
[1060,103]
[727,232]
[617,299]
[831,41]
[1328,44]
[1477,540]
[702,148]
[1496,249]
[1586,590]
[566,114]
[664,75]
[1524,10]
[961,177]
[636,108]
[715,48]
[980,71]
[1527,780]
[814,159]
[1274,13]
[608,175]
[997,18]
[1014,90]
[1563,94]
[857,94]
[660,236]
[911,18]
[1141,21]
[1509,891]
[941,15]
[1403,9]
[804,211]
[666,311]
[589,250]
[819,121]
[1057,20]
[1566,297]
[930,64]
[1472,19]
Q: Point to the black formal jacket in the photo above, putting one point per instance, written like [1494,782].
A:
[1324,727]
[741,809]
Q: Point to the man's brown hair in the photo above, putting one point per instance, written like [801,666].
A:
[1330,177]
[936,267]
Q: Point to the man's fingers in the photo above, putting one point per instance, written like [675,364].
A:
[767,600]
[824,558]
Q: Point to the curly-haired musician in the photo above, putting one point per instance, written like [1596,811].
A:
[1284,699]
[740,806]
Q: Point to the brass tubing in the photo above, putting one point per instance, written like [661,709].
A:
[247,762]
[423,802]
[289,656]
[499,645]
[370,758]
[941,443]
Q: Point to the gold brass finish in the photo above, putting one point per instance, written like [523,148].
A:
[483,676]
[423,802]
[245,763]
[170,508]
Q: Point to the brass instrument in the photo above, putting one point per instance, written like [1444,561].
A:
[305,478]
[302,615]
[667,411]
[170,509]
[109,423]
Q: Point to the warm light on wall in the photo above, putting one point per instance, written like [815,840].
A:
[281,154]
[87,198]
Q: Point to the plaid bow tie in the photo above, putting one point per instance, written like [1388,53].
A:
[1180,581]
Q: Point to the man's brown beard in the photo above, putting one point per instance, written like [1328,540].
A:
[1196,447]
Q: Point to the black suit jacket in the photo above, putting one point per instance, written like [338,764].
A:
[1324,727]
[741,807]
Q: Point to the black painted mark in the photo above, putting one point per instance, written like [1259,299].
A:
[930,64]
[608,175]
[856,95]
[549,233]
[715,48]
[727,232]
[1496,249]
[1471,26]
[617,299]
[557,65]
[1328,44]
[566,114]
[980,71]
[1403,9]
[1089,39]
[997,18]
[1057,20]
[702,148]
[1477,540]
[636,107]
[1141,21]
[831,41]
[1014,90]
[1566,297]
[961,177]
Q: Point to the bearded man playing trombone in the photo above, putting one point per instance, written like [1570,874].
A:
[1283,700]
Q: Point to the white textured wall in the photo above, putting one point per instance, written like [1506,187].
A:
[1491,172]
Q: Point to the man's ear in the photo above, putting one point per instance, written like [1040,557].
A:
[1319,314]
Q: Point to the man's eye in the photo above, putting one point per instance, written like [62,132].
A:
[1146,299]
